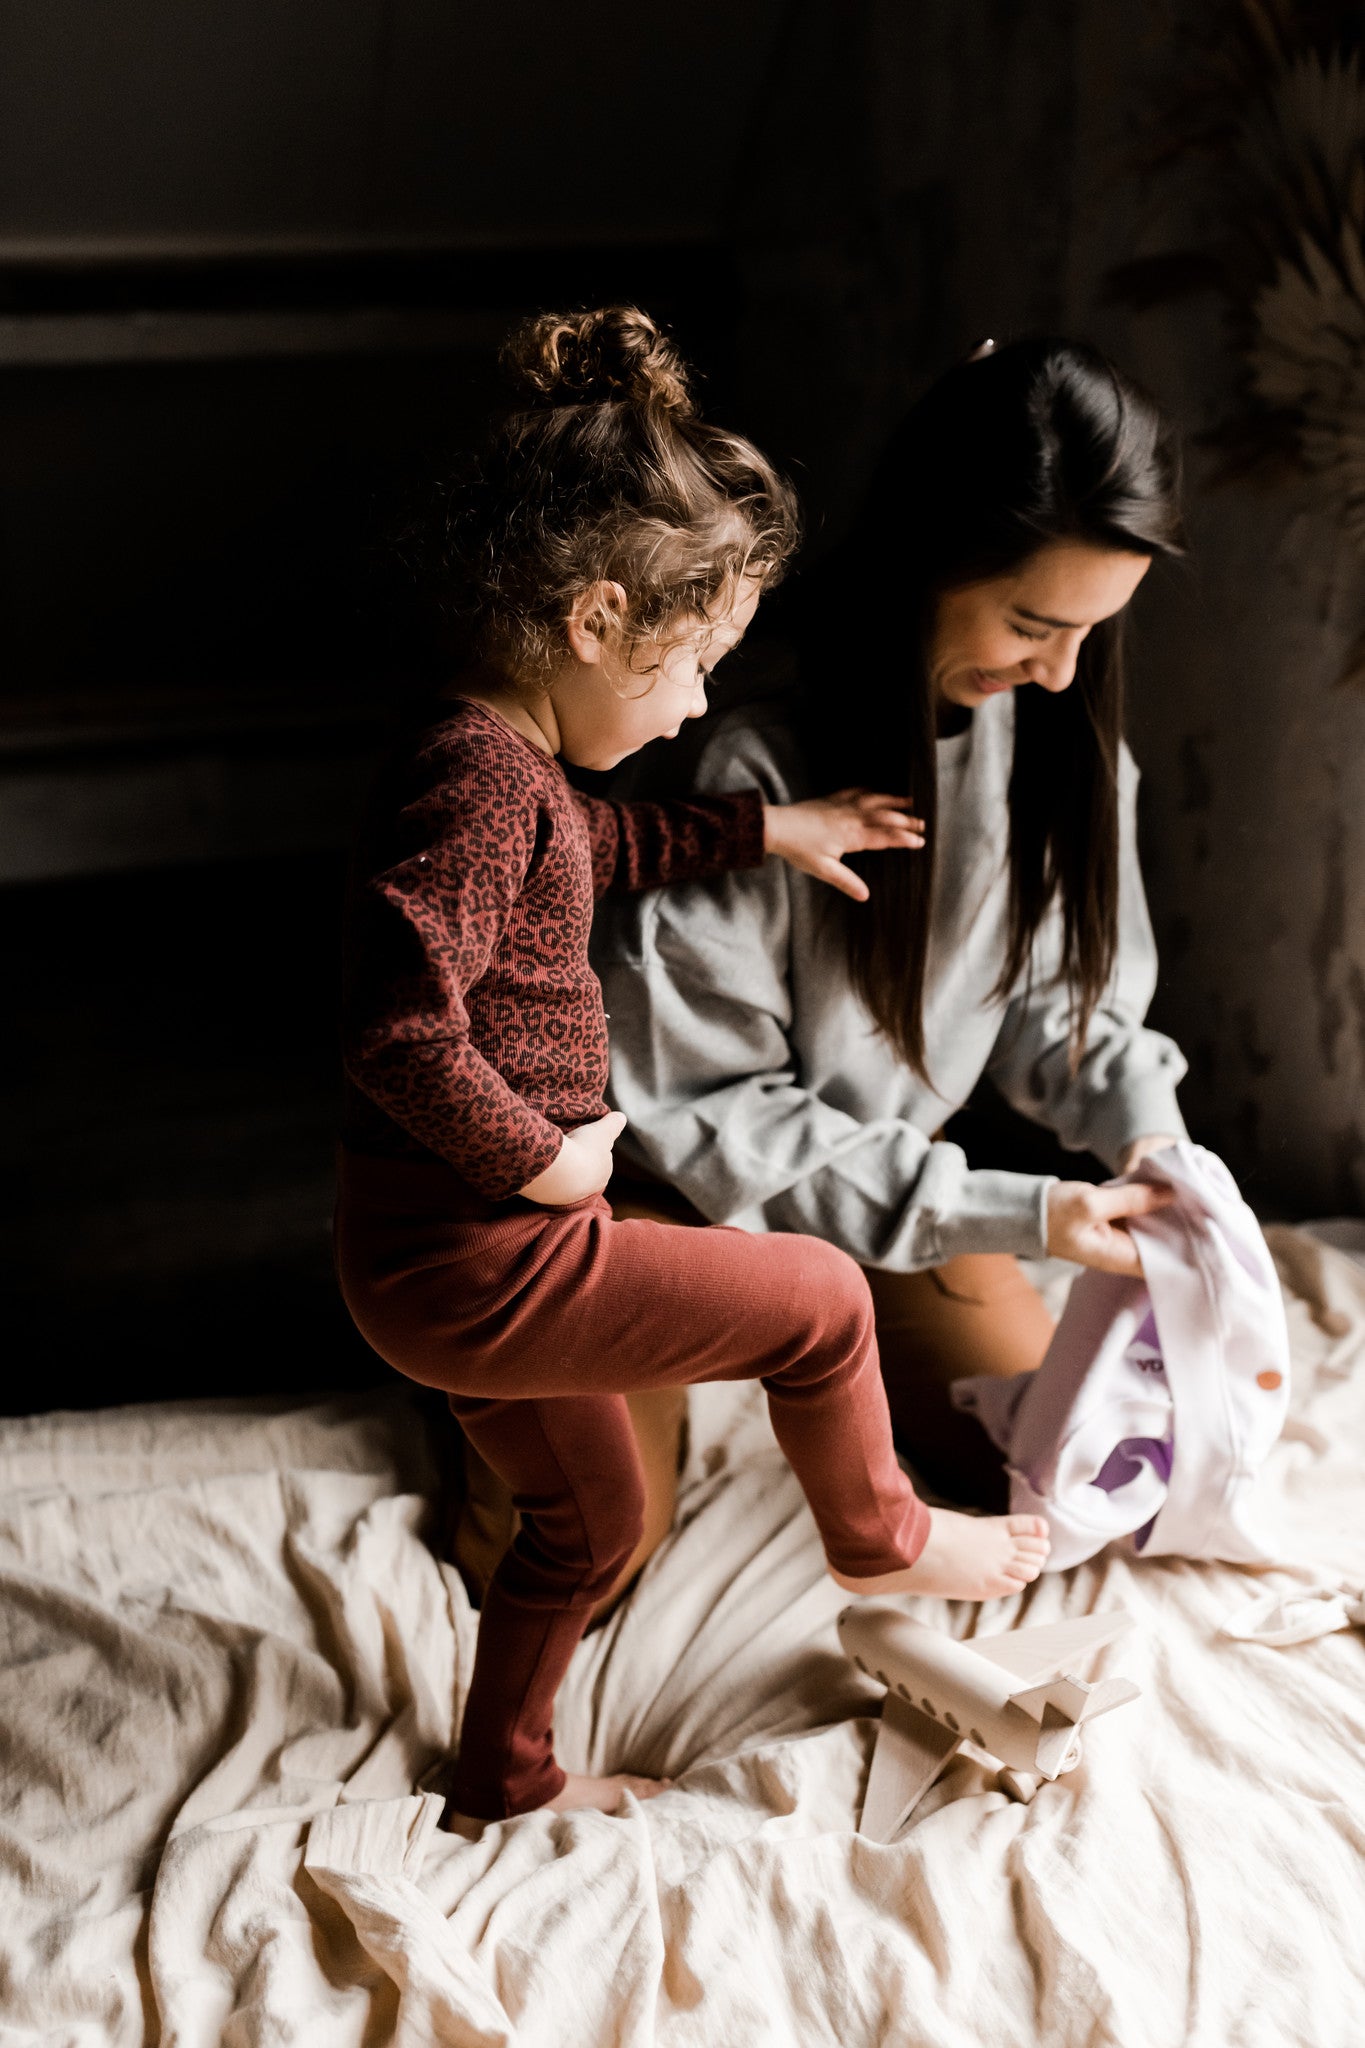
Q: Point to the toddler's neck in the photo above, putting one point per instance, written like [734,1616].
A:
[501,696]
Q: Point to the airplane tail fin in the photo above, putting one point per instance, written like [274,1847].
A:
[1060,1706]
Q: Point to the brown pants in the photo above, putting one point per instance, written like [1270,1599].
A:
[976,1314]
[536,1324]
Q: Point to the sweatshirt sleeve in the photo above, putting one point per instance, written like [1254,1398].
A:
[422,933]
[698,982]
[1124,1085]
[644,845]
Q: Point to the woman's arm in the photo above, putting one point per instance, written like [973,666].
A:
[697,982]
[1122,1094]
[703,1068]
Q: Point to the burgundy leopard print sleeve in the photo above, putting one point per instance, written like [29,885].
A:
[473,1024]
[648,845]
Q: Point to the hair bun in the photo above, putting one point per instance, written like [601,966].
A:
[615,353]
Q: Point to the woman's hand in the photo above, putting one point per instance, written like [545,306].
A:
[815,835]
[1088,1224]
[1140,1148]
[582,1166]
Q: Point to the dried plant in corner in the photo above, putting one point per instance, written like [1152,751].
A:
[1259,110]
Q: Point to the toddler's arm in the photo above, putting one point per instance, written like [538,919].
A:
[638,846]
[649,845]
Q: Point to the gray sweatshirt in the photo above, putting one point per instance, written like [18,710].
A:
[755,1082]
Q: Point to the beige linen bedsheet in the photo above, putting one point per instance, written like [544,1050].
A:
[226,1655]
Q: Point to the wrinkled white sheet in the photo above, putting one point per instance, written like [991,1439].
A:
[226,1654]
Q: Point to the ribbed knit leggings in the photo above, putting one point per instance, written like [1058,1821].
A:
[536,1322]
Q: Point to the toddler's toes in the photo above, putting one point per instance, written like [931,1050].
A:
[967,1557]
[1030,1548]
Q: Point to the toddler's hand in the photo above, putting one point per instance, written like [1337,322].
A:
[1086,1224]
[817,834]
[581,1167]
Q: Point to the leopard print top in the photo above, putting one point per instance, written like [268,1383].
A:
[473,1025]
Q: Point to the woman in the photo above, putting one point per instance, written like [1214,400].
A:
[788,1064]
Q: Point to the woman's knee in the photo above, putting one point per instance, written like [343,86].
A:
[979,1313]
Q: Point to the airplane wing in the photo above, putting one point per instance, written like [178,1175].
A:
[911,1751]
[1036,1654]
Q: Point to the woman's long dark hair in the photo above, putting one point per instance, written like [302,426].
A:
[1043,440]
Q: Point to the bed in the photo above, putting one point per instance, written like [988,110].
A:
[229,1655]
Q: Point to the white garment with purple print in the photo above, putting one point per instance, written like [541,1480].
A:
[1159,1399]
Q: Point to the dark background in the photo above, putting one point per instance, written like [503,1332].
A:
[254,265]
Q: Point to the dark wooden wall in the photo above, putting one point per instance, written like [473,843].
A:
[254,262]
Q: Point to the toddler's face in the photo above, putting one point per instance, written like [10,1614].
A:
[611,705]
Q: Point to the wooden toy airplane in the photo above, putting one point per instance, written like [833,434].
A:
[1013,1695]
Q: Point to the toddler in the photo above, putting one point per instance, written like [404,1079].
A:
[613,548]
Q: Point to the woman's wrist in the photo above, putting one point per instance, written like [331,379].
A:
[1089,1225]
[1142,1148]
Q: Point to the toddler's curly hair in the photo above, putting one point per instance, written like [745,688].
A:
[606,474]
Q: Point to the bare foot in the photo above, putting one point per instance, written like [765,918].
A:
[603,1795]
[598,1795]
[967,1557]
[455,1823]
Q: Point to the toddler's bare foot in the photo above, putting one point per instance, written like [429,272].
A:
[603,1795]
[455,1823]
[600,1795]
[967,1557]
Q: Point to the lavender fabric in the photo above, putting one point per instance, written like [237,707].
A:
[1159,1399]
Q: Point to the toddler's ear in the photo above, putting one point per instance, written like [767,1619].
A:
[596,614]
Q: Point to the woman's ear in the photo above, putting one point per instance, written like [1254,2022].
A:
[596,614]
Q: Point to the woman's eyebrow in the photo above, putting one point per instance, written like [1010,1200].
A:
[1041,619]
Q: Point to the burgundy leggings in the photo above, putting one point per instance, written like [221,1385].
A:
[536,1322]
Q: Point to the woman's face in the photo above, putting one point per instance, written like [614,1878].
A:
[1027,627]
